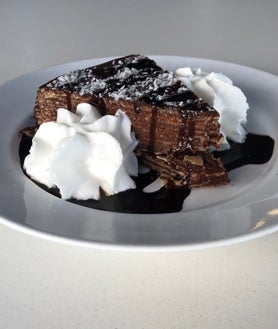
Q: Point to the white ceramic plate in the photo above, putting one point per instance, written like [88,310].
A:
[243,210]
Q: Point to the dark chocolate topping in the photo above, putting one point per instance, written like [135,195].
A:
[132,77]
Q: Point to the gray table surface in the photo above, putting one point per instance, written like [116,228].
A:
[46,284]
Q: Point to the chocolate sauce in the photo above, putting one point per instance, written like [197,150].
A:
[256,149]
[138,202]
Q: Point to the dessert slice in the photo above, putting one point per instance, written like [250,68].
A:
[166,115]
[175,128]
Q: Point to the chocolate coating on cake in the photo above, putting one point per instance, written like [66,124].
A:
[132,78]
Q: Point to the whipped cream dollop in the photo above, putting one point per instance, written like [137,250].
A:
[219,92]
[83,152]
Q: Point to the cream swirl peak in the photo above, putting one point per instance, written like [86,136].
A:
[219,92]
[83,152]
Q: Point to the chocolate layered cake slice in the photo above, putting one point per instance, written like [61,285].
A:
[175,128]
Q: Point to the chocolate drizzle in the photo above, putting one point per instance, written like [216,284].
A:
[256,149]
[131,77]
[153,129]
[68,95]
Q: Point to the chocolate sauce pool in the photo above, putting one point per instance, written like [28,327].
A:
[257,149]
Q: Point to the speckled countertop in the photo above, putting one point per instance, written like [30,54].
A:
[47,284]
